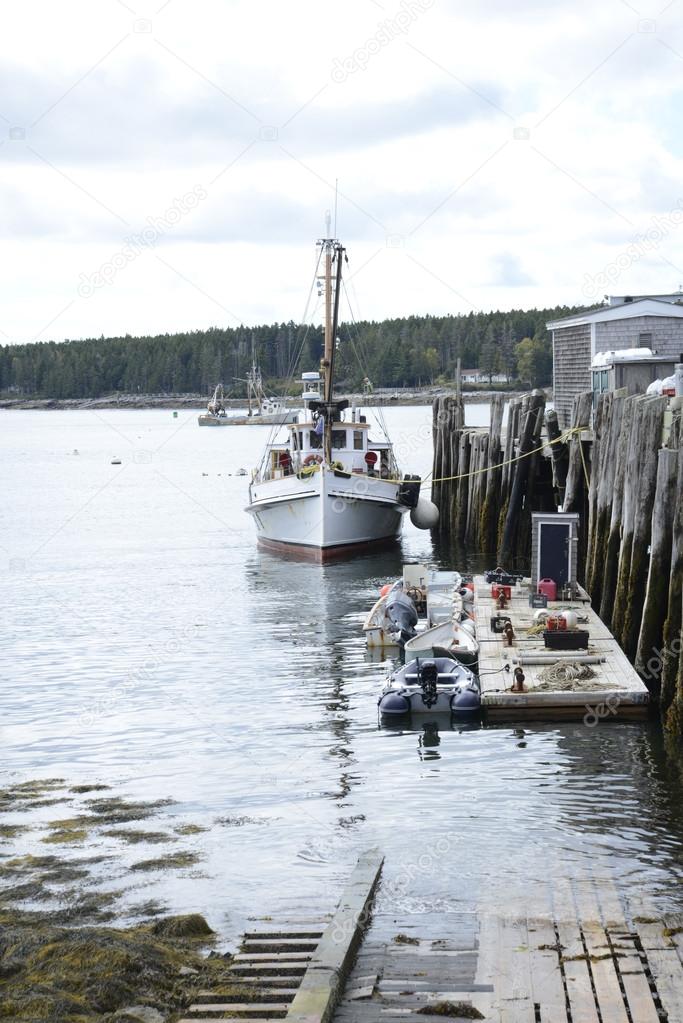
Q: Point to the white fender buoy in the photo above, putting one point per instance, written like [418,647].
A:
[425,515]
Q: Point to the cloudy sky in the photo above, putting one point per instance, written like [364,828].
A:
[167,165]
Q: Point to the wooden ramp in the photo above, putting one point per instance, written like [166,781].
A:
[396,980]
[616,691]
[295,971]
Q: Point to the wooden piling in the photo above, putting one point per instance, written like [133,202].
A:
[461,497]
[491,508]
[671,696]
[610,564]
[559,453]
[607,429]
[648,659]
[532,414]
[639,488]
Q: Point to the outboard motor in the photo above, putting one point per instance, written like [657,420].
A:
[401,612]
[429,674]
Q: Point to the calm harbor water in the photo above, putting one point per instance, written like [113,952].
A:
[147,644]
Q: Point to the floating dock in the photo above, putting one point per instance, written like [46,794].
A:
[615,691]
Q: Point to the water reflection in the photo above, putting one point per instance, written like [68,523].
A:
[429,741]
[259,702]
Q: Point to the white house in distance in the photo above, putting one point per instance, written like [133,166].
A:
[477,376]
[653,322]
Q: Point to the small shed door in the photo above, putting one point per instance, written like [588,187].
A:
[554,551]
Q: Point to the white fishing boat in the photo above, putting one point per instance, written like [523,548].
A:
[326,488]
[262,410]
[440,685]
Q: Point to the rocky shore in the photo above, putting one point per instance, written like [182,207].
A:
[386,396]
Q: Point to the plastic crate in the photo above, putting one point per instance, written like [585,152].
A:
[575,639]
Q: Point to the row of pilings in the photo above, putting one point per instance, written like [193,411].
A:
[624,477]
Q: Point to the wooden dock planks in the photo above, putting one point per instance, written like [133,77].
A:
[621,692]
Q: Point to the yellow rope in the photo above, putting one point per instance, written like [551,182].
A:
[492,468]
[527,454]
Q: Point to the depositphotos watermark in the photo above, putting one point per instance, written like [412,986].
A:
[387,31]
[156,228]
[643,244]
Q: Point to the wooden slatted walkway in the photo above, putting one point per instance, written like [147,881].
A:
[577,956]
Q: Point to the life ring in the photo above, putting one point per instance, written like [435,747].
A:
[312,460]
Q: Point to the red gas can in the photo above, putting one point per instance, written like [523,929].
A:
[497,589]
[549,587]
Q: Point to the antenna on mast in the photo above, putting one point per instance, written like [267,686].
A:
[336,197]
[328,220]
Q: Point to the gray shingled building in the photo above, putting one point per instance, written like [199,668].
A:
[654,322]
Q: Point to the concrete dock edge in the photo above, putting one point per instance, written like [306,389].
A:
[323,983]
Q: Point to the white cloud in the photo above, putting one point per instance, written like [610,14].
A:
[487,157]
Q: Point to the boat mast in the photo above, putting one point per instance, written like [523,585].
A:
[333,250]
[329,340]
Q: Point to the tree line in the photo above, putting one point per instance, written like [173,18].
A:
[409,352]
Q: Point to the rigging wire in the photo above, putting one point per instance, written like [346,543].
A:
[378,412]
[294,357]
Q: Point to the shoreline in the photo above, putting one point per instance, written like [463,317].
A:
[382,398]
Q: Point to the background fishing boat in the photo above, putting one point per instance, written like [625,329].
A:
[262,410]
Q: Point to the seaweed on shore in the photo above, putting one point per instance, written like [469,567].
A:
[171,861]
[115,810]
[92,974]
[134,836]
[65,836]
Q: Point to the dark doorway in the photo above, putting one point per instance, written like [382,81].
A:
[553,546]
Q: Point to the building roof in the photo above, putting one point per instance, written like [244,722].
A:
[625,311]
[662,297]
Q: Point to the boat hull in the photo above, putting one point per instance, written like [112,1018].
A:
[326,515]
[278,419]
[446,639]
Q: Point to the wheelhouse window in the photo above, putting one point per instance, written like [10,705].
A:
[339,439]
[315,440]
[357,440]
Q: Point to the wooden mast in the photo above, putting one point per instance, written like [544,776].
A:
[333,250]
[329,340]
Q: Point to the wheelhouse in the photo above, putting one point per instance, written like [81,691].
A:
[353,451]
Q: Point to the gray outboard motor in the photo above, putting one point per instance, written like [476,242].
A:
[401,612]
